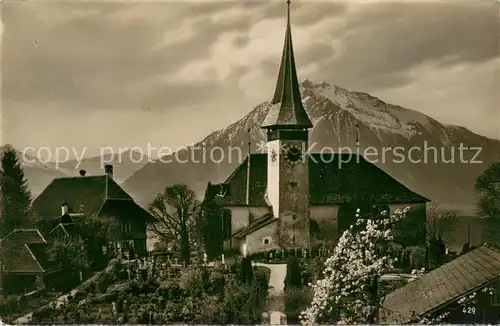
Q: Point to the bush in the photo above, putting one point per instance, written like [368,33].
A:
[296,300]
[192,281]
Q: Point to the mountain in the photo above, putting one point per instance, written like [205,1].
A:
[124,164]
[335,112]
[38,174]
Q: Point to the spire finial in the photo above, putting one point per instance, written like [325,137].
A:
[290,113]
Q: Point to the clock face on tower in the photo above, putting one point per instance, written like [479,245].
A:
[293,155]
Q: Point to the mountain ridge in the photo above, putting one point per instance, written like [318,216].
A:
[335,111]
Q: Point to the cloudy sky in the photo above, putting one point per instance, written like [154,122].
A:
[128,74]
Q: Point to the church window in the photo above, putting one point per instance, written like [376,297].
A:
[226,224]
[313,227]
[126,228]
[266,241]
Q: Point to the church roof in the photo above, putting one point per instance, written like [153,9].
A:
[333,179]
[446,284]
[256,225]
[287,109]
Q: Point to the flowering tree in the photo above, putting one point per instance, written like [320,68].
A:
[349,286]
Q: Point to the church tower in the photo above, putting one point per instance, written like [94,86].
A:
[287,125]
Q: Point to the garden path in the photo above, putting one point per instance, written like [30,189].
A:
[276,289]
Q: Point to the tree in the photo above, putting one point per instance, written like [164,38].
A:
[246,270]
[176,211]
[72,255]
[15,197]
[440,222]
[411,231]
[210,228]
[293,278]
[488,206]
[351,275]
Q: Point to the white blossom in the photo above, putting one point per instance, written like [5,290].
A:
[347,274]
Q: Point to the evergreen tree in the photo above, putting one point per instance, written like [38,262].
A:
[293,277]
[246,270]
[14,194]
[211,228]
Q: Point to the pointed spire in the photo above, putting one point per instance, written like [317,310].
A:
[290,112]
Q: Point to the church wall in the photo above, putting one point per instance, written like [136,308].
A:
[240,215]
[294,199]
[326,217]
[255,240]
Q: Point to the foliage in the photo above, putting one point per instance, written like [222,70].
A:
[246,270]
[15,197]
[73,258]
[293,278]
[351,275]
[296,300]
[436,253]
[411,231]
[146,292]
[210,229]
[176,211]
[488,189]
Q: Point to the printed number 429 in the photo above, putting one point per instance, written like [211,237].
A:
[469,310]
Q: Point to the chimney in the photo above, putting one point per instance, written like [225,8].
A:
[64,208]
[108,168]
[83,172]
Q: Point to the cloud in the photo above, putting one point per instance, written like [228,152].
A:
[263,42]
[444,91]
[156,67]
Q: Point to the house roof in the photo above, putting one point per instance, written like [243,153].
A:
[453,280]
[256,225]
[22,236]
[66,229]
[83,194]
[333,179]
[287,109]
[40,253]
[27,252]
[128,207]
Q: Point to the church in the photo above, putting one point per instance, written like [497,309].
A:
[289,198]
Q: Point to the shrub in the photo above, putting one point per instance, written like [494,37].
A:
[192,281]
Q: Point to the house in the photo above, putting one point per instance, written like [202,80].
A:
[278,199]
[25,263]
[99,196]
[440,290]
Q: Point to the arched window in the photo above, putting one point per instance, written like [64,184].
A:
[313,227]
[226,223]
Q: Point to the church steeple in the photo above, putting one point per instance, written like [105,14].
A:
[287,111]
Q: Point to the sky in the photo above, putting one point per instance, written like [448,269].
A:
[123,74]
